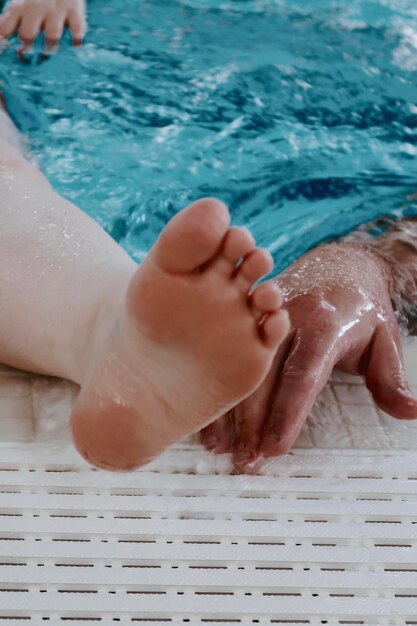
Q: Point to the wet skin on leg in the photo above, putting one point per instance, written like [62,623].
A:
[159,350]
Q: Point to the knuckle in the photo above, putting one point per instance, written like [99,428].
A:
[294,373]
[324,317]
[314,310]
[314,300]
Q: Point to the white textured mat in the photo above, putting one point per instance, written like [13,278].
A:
[326,536]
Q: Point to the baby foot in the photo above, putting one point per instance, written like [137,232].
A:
[30,17]
[188,344]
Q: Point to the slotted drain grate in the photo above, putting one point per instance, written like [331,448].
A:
[78,545]
[324,537]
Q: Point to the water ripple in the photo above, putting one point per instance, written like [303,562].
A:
[301,115]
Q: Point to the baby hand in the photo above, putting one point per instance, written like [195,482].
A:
[30,17]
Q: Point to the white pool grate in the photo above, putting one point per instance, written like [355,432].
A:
[324,537]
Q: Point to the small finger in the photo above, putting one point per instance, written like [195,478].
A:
[266,297]
[54,28]
[29,28]
[304,375]
[9,23]
[386,378]
[77,24]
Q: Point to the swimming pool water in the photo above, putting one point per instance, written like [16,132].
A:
[301,115]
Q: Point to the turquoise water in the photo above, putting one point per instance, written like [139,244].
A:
[301,115]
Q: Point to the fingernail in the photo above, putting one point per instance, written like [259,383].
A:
[244,457]
[241,458]
[253,465]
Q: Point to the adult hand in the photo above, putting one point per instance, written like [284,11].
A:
[339,300]
[30,17]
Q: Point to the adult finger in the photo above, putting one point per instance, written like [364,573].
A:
[54,28]
[77,24]
[385,376]
[251,414]
[304,375]
[219,435]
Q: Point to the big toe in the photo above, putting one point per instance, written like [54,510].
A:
[192,237]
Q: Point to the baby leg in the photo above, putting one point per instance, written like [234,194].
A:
[58,269]
[160,350]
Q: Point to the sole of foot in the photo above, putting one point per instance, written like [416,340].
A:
[191,340]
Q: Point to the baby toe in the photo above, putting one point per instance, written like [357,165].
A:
[273,328]
[238,242]
[266,298]
[255,265]
[192,240]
